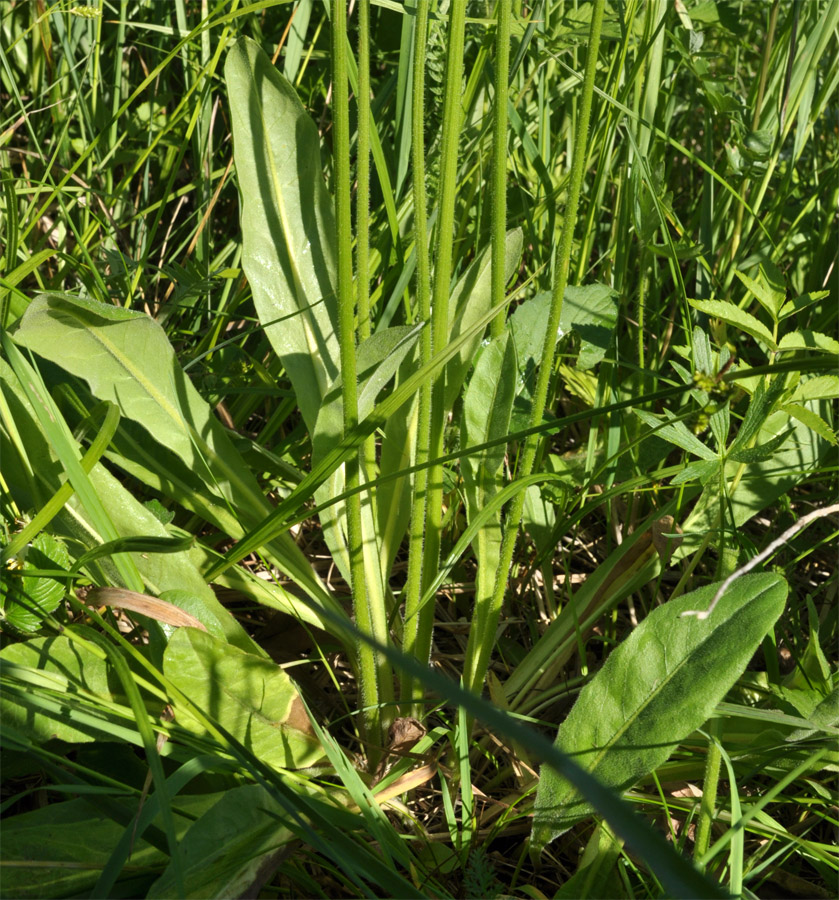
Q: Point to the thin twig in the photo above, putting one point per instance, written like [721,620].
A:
[803,522]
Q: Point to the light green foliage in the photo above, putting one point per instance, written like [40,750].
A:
[127,359]
[288,223]
[379,358]
[487,406]
[250,697]
[655,689]
[589,312]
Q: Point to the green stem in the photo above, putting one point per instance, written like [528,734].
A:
[499,159]
[482,633]
[362,212]
[415,641]
[452,117]
[373,669]
[710,785]
[761,90]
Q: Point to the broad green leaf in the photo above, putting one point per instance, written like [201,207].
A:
[487,405]
[126,358]
[69,670]
[812,420]
[61,444]
[822,387]
[250,696]
[470,299]
[227,846]
[589,311]
[379,358]
[797,304]
[771,299]
[164,472]
[130,518]
[654,690]
[288,222]
[728,312]
[807,339]
[28,598]
[592,312]
[62,848]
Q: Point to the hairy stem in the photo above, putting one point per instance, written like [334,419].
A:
[482,633]
[417,641]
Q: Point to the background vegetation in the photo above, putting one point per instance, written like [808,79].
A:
[183,301]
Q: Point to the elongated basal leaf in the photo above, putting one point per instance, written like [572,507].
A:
[658,687]
[288,222]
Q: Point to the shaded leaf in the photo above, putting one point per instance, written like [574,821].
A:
[68,668]
[62,848]
[470,299]
[812,420]
[487,404]
[677,433]
[591,311]
[225,849]
[378,360]
[127,359]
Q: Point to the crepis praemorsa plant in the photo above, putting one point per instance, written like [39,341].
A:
[459,363]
